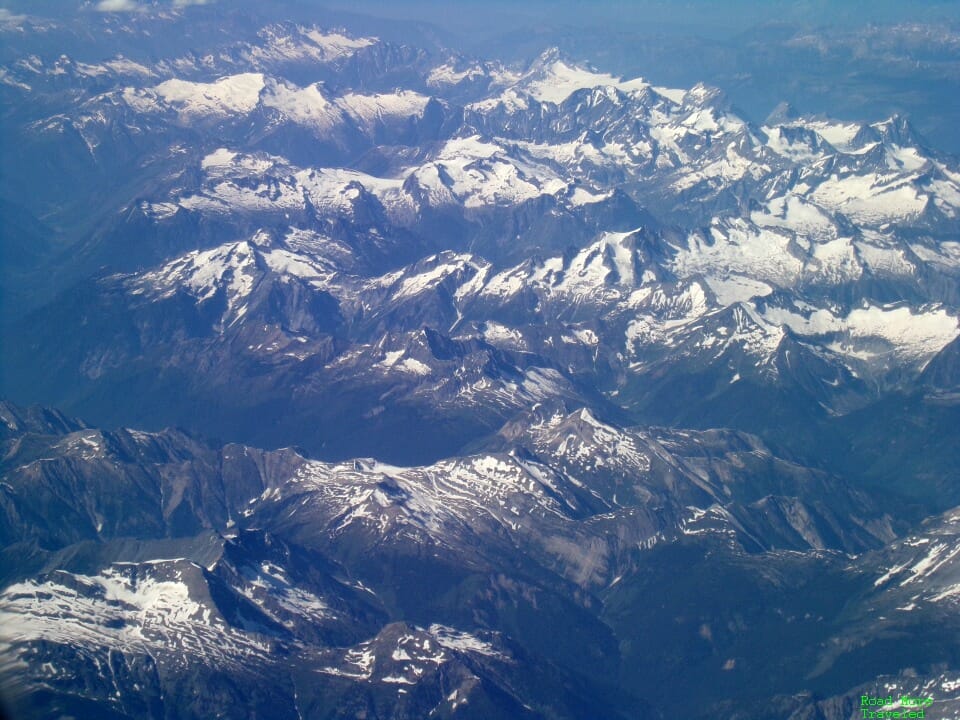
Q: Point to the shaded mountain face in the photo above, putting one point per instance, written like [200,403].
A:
[538,391]
[184,578]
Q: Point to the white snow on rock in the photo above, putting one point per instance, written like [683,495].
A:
[479,173]
[454,639]
[840,135]
[368,110]
[131,608]
[737,288]
[912,337]
[884,257]
[395,360]
[557,81]
[794,212]
[310,106]
[202,273]
[871,199]
[336,44]
[307,106]
[118,66]
[235,94]
[944,254]
[280,44]
[739,248]
[447,74]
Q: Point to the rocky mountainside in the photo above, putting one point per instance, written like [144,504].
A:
[178,566]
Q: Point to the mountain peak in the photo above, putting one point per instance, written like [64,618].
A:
[552,78]
[703,95]
[547,58]
[898,130]
[783,113]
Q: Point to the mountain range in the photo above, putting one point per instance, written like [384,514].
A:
[352,378]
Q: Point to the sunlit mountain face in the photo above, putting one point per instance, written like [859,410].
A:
[490,363]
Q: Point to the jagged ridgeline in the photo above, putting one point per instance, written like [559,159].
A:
[413,384]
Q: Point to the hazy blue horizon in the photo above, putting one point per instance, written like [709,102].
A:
[468,15]
[707,15]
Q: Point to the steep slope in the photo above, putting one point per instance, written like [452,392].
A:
[318,588]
